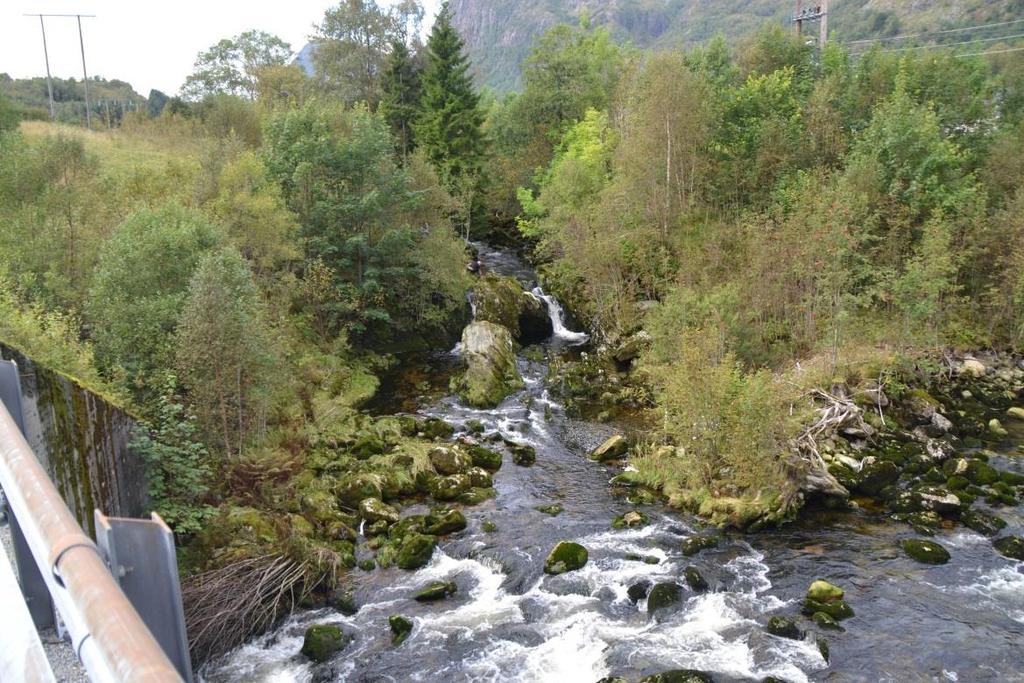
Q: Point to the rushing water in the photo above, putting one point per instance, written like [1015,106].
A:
[963,621]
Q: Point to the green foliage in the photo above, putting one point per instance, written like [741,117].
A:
[140,286]
[233,65]
[178,465]
[401,101]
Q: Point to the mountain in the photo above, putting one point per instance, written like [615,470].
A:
[499,34]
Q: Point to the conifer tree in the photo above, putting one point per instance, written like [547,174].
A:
[449,127]
[401,103]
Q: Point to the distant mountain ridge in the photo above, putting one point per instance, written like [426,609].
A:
[499,34]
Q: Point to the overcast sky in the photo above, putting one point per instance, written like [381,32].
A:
[147,43]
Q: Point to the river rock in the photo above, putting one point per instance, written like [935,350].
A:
[449,460]
[476,495]
[982,522]
[554,509]
[939,450]
[354,488]
[450,487]
[876,476]
[679,676]
[695,544]
[436,428]
[1016,413]
[823,596]
[442,521]
[981,473]
[322,641]
[996,429]
[439,590]
[400,629]
[638,591]
[344,600]
[629,349]
[376,510]
[825,621]
[415,551]
[523,454]
[823,591]
[784,627]
[612,449]
[663,595]
[1010,546]
[485,458]
[928,552]
[491,373]
[480,478]
[534,320]
[941,422]
[566,556]
[367,446]
[694,579]
[972,368]
[941,501]
[633,519]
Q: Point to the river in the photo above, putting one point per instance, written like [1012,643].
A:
[508,621]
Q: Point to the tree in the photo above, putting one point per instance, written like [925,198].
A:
[140,285]
[224,352]
[449,128]
[402,92]
[232,66]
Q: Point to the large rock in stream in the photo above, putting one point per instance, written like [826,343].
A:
[321,641]
[491,374]
[503,301]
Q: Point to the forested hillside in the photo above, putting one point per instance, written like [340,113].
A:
[499,34]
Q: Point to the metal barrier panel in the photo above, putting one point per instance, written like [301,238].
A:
[21,657]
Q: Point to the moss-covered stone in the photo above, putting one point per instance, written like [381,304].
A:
[996,429]
[695,544]
[436,428]
[663,595]
[612,449]
[480,478]
[400,629]
[981,473]
[875,477]
[354,488]
[566,556]
[491,373]
[415,551]
[784,627]
[448,460]
[488,526]
[367,446]
[679,676]
[450,487]
[823,591]
[554,509]
[928,552]
[476,495]
[322,641]
[485,458]
[695,580]
[634,519]
[1010,546]
[825,621]
[344,600]
[523,454]
[439,590]
[982,522]
[375,510]
[407,525]
[444,521]
[838,610]
[638,591]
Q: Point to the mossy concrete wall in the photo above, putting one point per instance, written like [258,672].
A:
[82,441]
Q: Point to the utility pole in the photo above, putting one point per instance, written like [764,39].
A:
[818,13]
[46,54]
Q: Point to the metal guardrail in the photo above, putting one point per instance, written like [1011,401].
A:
[108,635]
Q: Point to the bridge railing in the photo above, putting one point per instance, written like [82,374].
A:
[107,633]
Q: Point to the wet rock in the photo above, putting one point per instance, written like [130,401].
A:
[823,591]
[982,522]
[376,510]
[972,368]
[940,501]
[941,422]
[480,478]
[553,510]
[612,679]
[823,596]
[695,544]
[612,449]
[450,487]
[1016,413]
[924,551]
[825,621]
[491,374]
[679,676]
[981,473]
[436,428]
[939,450]
[823,649]
[443,521]
[354,488]
[876,476]
[415,551]
[633,519]
[489,526]
[1010,546]
[344,601]
[638,591]
[522,454]
[474,427]
[413,524]
[400,629]
[695,580]
[566,556]
[662,595]
[447,461]
[476,495]
[439,590]
[630,348]
[996,429]
[322,641]
[784,628]
[485,458]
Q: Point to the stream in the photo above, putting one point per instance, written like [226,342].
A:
[508,621]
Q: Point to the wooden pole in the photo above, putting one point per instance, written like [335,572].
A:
[823,36]
[49,79]
[85,74]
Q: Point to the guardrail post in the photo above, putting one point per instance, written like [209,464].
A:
[33,586]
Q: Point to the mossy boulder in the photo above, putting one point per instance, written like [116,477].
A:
[695,544]
[322,641]
[344,600]
[663,595]
[439,590]
[354,488]
[413,524]
[823,591]
[634,519]
[491,374]
[400,629]
[874,477]
[367,446]
[996,429]
[928,552]
[695,580]
[982,522]
[476,495]
[638,591]
[981,473]
[444,521]
[825,597]
[566,556]
[499,300]
[446,461]
[436,428]
[480,478]
[1010,546]
[484,457]
[376,510]
[612,449]
[554,509]
[784,627]
[523,454]
[415,551]
[450,487]
[1016,413]
[679,676]
[825,621]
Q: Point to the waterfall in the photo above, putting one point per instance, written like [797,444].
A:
[557,316]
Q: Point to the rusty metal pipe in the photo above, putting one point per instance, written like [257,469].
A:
[107,633]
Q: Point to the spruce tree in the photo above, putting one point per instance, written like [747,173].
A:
[401,103]
[449,126]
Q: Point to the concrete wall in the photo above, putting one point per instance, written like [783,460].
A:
[82,440]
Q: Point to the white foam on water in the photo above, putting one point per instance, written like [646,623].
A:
[557,316]
[489,605]
[1001,588]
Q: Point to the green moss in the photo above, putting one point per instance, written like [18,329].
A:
[927,552]
[566,556]
[322,641]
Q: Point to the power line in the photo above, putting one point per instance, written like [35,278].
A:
[991,52]
[945,45]
[933,33]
